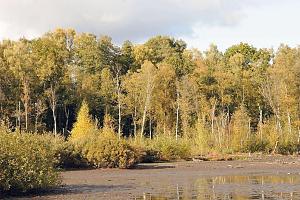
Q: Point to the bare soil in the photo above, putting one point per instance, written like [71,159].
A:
[159,177]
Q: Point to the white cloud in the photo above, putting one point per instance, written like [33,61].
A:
[264,25]
[199,22]
[121,19]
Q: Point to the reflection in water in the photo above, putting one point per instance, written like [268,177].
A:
[233,187]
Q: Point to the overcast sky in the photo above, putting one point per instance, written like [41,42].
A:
[262,23]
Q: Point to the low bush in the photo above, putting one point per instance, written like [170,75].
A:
[27,162]
[171,149]
[106,150]
[144,148]
[201,140]
[161,148]
[70,156]
[255,145]
[287,147]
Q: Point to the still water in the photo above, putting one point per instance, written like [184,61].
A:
[285,186]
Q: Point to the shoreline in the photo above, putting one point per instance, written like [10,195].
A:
[148,178]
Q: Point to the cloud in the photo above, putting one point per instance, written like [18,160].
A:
[121,19]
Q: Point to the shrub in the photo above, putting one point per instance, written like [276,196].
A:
[287,145]
[240,129]
[202,142]
[144,148]
[255,144]
[170,149]
[70,156]
[106,150]
[89,145]
[26,162]
[161,148]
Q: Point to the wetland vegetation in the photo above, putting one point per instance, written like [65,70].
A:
[75,100]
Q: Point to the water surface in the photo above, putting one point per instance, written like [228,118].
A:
[239,187]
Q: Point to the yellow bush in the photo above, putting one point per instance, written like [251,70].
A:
[240,129]
[170,149]
[106,150]
[201,139]
[26,163]
[144,148]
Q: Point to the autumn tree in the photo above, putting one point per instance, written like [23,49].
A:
[84,125]
[53,51]
[20,60]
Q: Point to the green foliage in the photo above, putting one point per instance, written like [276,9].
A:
[145,150]
[240,129]
[255,144]
[248,53]
[27,162]
[246,98]
[170,149]
[161,148]
[202,141]
[106,150]
[70,156]
[288,147]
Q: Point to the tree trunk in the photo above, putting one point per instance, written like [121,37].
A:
[67,113]
[19,117]
[150,127]
[120,117]
[212,117]
[54,119]
[143,120]
[134,125]
[26,99]
[289,123]
[36,118]
[275,147]
[260,123]
[219,132]
[26,116]
[177,116]
[53,102]
[118,84]
[147,102]
[39,109]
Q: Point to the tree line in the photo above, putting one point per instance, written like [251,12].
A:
[159,87]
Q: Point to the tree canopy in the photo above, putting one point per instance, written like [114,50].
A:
[158,87]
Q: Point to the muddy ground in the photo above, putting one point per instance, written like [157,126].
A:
[161,178]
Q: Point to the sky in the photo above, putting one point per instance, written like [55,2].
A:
[262,23]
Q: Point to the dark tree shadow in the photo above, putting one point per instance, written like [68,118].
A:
[66,190]
[152,166]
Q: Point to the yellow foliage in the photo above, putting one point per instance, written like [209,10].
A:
[30,167]
[240,129]
[107,150]
[84,126]
[201,139]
